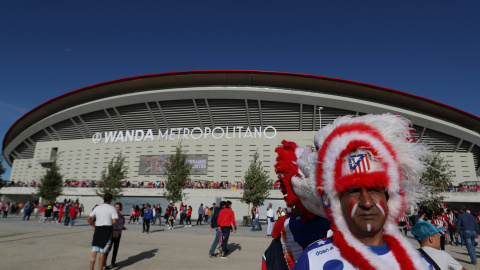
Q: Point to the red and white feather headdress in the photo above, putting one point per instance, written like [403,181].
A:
[369,151]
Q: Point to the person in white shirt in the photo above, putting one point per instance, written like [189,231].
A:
[105,217]
[269,219]
[428,237]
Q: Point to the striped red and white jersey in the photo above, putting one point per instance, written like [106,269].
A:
[450,219]
[403,218]
[439,222]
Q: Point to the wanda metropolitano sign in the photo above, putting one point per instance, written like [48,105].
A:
[196,133]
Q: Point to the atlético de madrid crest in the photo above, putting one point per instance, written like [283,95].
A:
[359,163]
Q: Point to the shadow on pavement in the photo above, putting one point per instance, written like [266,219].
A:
[465,253]
[156,231]
[232,247]
[133,259]
[42,236]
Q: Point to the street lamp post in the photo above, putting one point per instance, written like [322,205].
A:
[320,116]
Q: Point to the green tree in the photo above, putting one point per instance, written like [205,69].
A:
[50,185]
[257,184]
[2,171]
[436,179]
[113,177]
[177,173]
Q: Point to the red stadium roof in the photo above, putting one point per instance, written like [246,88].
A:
[256,78]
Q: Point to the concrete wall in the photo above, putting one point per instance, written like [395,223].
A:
[228,159]
[461,165]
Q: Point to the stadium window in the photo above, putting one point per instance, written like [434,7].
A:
[53,153]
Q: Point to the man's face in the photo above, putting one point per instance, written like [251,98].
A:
[364,210]
[436,241]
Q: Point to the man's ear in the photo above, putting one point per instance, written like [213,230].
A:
[430,238]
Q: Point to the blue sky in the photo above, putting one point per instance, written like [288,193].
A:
[426,48]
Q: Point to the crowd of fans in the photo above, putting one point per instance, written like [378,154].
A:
[464,188]
[68,211]
[144,184]
[170,213]
[21,184]
[198,185]
[443,217]
[49,212]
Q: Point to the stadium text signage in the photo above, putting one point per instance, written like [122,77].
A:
[196,133]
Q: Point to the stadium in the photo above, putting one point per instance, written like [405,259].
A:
[221,118]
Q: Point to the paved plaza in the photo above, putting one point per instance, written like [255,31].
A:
[33,245]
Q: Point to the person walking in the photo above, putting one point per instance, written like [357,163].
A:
[116,234]
[6,208]
[137,214]
[26,211]
[214,226]
[171,215]
[439,222]
[158,215]
[60,213]
[226,218]
[256,218]
[269,219]
[55,213]
[403,224]
[166,215]
[132,214]
[450,219]
[72,211]
[81,209]
[105,217]
[42,210]
[200,214]
[147,217]
[48,212]
[183,215]
[188,222]
[205,214]
[467,225]
[142,213]
[67,217]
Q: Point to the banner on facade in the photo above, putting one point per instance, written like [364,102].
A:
[154,164]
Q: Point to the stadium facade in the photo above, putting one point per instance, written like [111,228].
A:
[221,118]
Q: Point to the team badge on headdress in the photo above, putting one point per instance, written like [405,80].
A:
[325,200]
[359,163]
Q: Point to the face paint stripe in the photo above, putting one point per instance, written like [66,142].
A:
[370,227]
[381,207]
[353,208]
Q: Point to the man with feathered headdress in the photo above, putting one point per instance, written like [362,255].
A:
[363,174]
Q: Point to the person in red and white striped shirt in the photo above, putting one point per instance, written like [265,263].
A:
[438,222]
[450,220]
[403,224]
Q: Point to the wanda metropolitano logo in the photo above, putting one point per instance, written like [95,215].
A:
[196,133]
